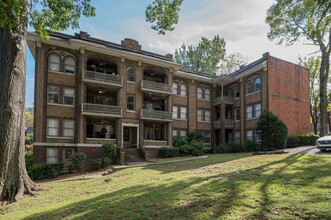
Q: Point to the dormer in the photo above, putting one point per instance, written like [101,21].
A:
[131,44]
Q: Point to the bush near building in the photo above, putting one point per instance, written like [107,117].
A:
[191,145]
[110,151]
[302,140]
[168,152]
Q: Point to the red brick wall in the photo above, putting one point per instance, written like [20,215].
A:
[288,88]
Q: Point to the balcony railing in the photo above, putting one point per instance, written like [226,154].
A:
[156,87]
[115,111]
[224,99]
[217,123]
[102,78]
[155,115]
[228,123]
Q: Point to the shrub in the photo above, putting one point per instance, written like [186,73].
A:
[196,147]
[301,140]
[76,161]
[250,146]
[28,158]
[42,171]
[29,139]
[168,152]
[195,135]
[184,150]
[272,130]
[110,150]
[223,148]
[179,141]
[101,162]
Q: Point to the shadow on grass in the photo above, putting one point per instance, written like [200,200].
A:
[205,197]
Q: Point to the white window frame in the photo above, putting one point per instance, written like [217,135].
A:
[52,62]
[183,89]
[174,133]
[66,96]
[175,88]
[134,103]
[237,137]
[249,112]
[183,133]
[54,93]
[56,128]
[249,135]
[70,65]
[52,155]
[199,93]
[66,128]
[257,108]
[207,117]
[183,112]
[175,111]
[206,135]
[133,73]
[207,95]
[200,115]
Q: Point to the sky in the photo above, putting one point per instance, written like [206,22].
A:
[240,22]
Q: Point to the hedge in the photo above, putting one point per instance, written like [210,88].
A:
[168,152]
[301,140]
[42,171]
[101,162]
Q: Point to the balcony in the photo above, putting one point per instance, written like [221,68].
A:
[155,115]
[101,110]
[149,86]
[228,123]
[224,99]
[217,124]
[102,78]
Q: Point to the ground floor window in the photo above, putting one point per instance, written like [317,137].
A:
[249,135]
[206,137]
[154,132]
[101,128]
[237,137]
[52,155]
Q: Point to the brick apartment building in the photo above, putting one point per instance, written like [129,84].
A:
[89,92]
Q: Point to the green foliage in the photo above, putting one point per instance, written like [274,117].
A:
[202,58]
[168,152]
[302,140]
[29,114]
[249,146]
[42,171]
[232,62]
[179,141]
[29,139]
[195,135]
[76,161]
[101,162]
[196,147]
[110,150]
[28,158]
[272,130]
[164,13]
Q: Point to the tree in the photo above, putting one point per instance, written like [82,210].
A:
[164,13]
[29,113]
[205,57]
[272,131]
[309,20]
[233,62]
[44,16]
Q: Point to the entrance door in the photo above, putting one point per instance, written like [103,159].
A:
[129,136]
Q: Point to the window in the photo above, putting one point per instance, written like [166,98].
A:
[206,137]
[237,114]
[257,137]
[236,92]
[53,94]
[130,74]
[183,111]
[130,105]
[249,87]
[68,152]
[52,155]
[53,127]
[69,65]
[207,94]
[249,112]
[154,133]
[174,133]
[199,92]
[230,92]
[237,137]
[174,111]
[257,110]
[249,135]
[68,128]
[54,62]
[200,115]
[257,84]
[183,133]
[175,88]
[207,115]
[183,90]
[68,96]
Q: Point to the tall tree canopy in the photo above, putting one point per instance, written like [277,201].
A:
[308,20]
[43,16]
[205,57]
[232,62]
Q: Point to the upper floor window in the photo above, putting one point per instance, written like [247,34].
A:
[249,112]
[257,84]
[130,103]
[199,93]
[249,87]
[203,115]
[237,114]
[53,127]
[183,89]
[253,84]
[175,88]
[130,74]
[69,65]
[257,110]
[174,111]
[236,92]
[68,128]
[53,94]
[68,96]
[207,94]
[183,112]
[54,62]
[203,93]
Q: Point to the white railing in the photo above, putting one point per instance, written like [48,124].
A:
[224,99]
[104,109]
[153,114]
[145,84]
[102,77]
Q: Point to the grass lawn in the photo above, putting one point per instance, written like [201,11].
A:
[229,186]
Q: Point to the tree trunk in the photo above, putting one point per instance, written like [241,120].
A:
[324,73]
[14,180]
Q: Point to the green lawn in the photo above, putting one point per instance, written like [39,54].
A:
[229,186]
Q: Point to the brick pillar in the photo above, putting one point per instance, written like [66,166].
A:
[119,132]
[222,119]
[141,134]
[242,110]
[80,93]
[169,109]
[192,105]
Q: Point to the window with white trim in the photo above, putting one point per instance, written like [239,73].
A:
[183,90]
[68,128]
[249,135]
[174,133]
[236,92]
[175,88]
[200,115]
[174,111]
[52,155]
[52,127]
[130,103]
[207,94]
[207,115]
[68,96]
[257,84]
[199,93]
[69,65]
[206,137]
[54,62]
[183,133]
[237,137]
[183,113]
[53,94]
[258,110]
[249,112]
[130,74]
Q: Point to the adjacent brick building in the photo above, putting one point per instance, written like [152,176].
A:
[89,92]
